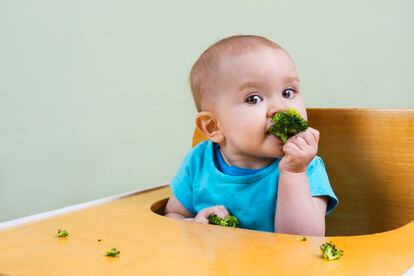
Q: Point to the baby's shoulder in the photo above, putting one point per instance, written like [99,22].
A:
[199,154]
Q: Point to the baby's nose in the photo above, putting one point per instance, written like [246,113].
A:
[272,111]
[276,104]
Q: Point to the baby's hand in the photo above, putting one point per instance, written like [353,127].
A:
[299,151]
[219,210]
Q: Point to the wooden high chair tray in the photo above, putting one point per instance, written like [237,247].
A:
[369,156]
[151,244]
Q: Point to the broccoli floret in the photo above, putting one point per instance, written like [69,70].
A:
[287,124]
[229,221]
[330,252]
[302,239]
[62,233]
[113,252]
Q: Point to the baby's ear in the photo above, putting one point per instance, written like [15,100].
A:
[207,123]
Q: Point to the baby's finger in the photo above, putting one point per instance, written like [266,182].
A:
[300,143]
[209,211]
[220,211]
[202,217]
[291,149]
[224,210]
[308,137]
[315,133]
[202,220]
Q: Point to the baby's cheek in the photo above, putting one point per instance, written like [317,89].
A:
[300,107]
[304,114]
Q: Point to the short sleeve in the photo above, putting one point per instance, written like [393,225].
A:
[319,183]
[181,185]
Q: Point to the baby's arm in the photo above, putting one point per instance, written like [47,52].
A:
[297,212]
[176,210]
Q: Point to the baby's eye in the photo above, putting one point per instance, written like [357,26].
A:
[254,99]
[289,93]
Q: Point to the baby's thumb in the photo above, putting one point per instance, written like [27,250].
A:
[202,217]
[201,220]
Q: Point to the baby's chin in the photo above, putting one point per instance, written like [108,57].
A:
[277,154]
[276,150]
[275,141]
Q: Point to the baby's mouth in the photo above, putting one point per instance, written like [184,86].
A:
[269,130]
[274,137]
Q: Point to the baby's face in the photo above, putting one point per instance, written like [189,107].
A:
[251,88]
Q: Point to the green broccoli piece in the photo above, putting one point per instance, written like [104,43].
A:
[62,233]
[330,252]
[287,124]
[229,221]
[113,252]
[302,239]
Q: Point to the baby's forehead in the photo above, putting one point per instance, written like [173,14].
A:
[231,53]
[231,57]
[266,61]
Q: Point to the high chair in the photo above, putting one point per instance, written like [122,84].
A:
[369,157]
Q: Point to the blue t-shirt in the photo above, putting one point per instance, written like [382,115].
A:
[222,166]
[251,198]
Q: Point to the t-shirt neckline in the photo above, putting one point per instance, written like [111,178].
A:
[238,178]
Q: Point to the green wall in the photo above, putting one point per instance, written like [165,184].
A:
[94,99]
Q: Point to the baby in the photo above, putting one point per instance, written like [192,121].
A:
[238,84]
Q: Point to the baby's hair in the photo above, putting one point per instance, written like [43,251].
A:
[204,70]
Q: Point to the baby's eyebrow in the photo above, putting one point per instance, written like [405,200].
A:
[252,84]
[291,79]
[263,84]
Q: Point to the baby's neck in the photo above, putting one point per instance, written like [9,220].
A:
[245,162]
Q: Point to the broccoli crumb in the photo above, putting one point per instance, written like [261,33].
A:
[330,252]
[113,252]
[229,221]
[302,239]
[62,233]
[287,124]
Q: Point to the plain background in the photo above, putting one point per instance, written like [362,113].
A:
[94,99]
